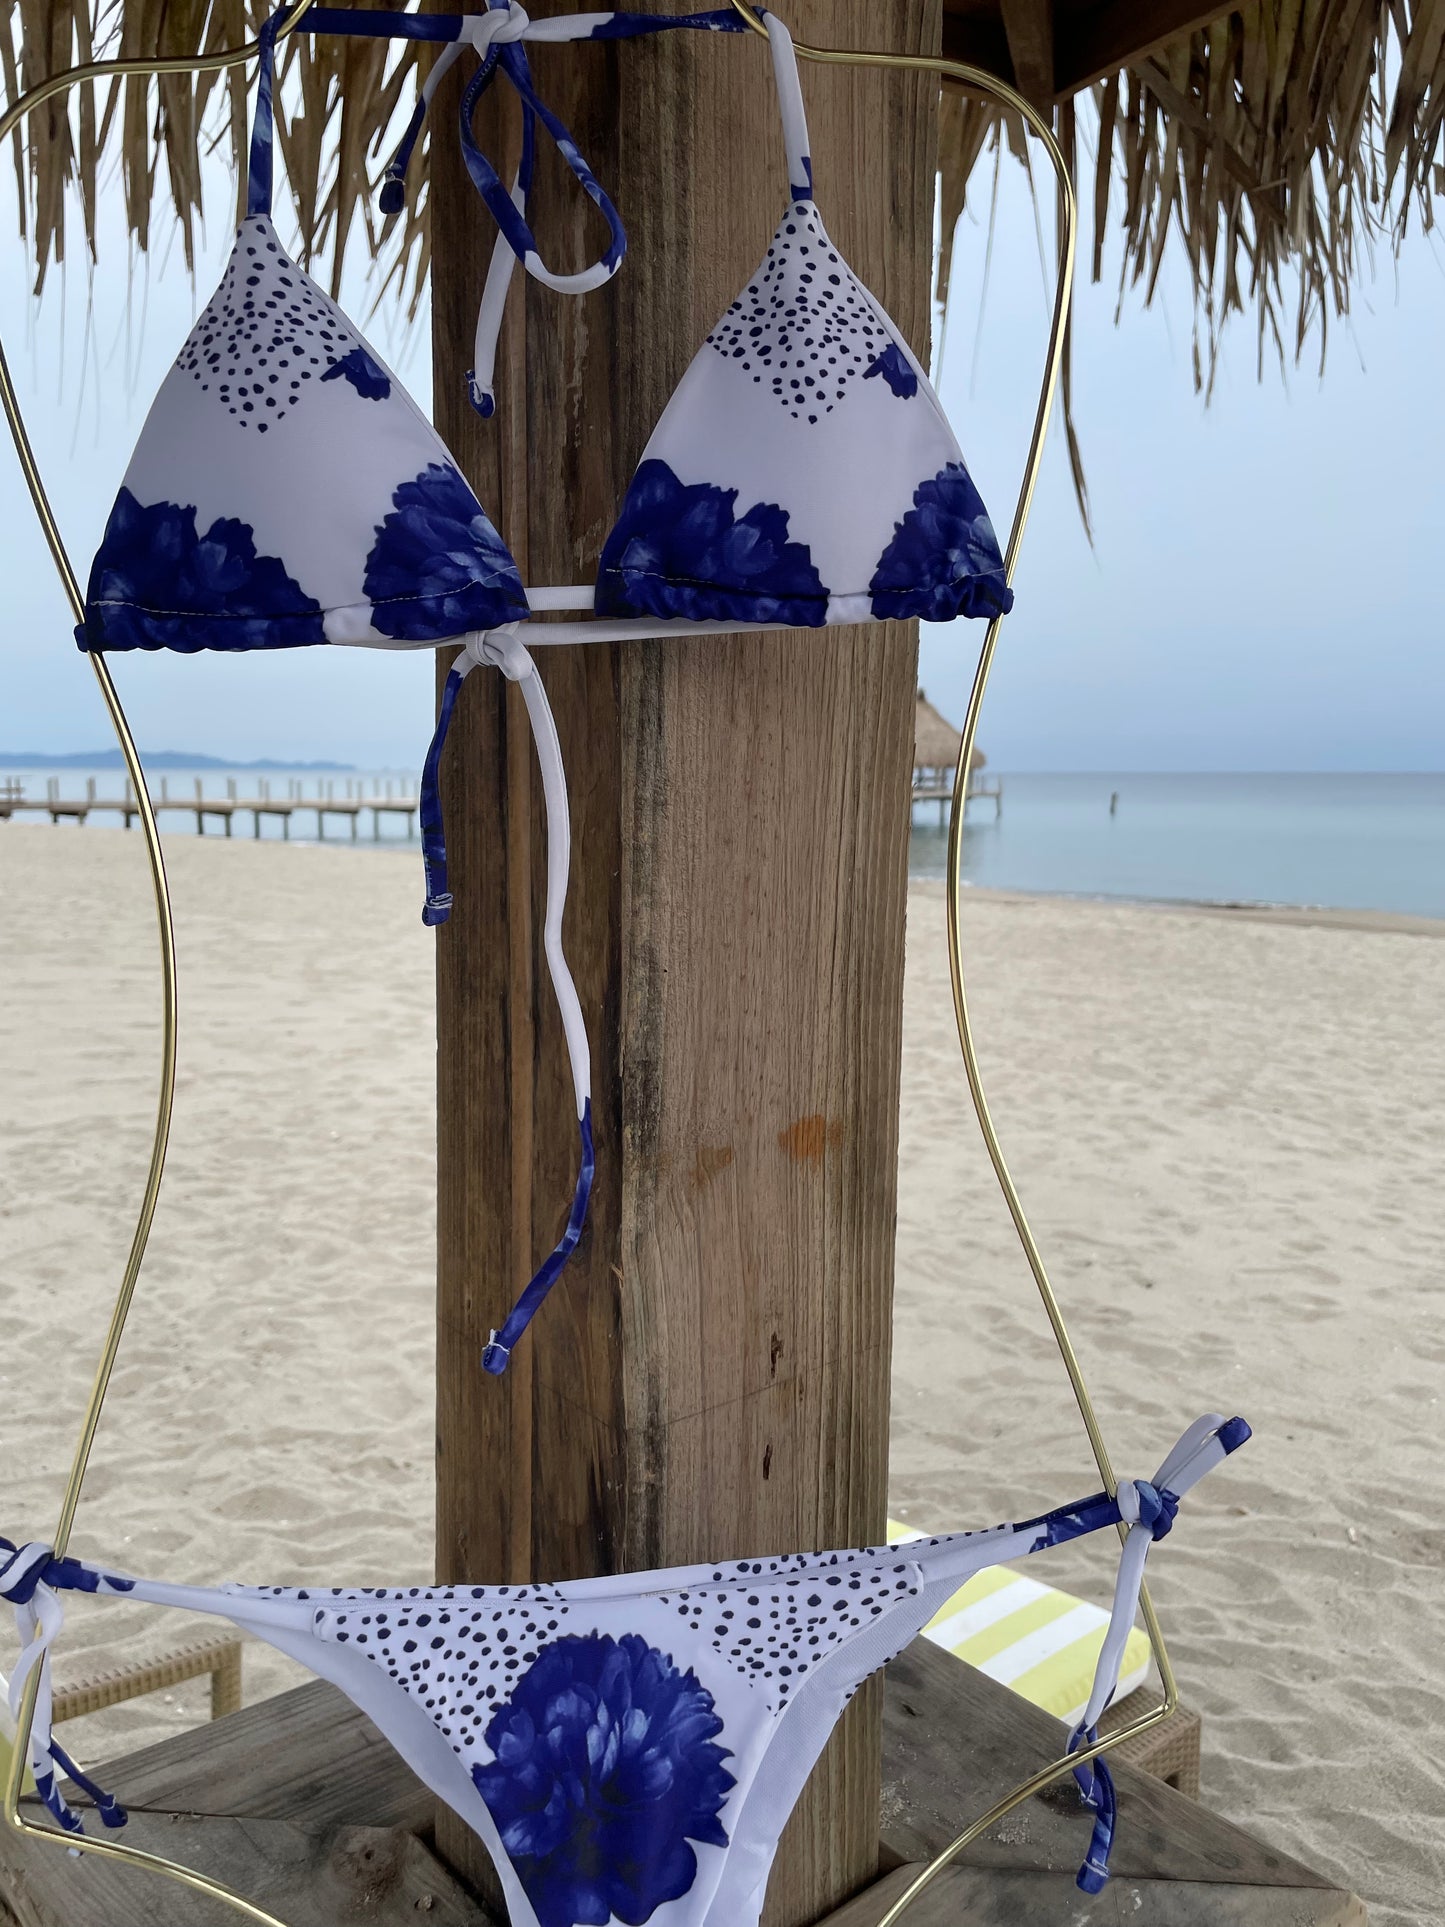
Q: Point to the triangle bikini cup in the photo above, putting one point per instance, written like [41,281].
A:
[286,490]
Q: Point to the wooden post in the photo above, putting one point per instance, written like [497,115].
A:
[710,1378]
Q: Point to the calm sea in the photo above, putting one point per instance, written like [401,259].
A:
[1339,842]
[1342,842]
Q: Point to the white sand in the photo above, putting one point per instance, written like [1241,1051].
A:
[1228,1130]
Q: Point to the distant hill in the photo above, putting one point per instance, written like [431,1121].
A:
[152,758]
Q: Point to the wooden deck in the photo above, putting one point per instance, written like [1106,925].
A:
[301,1804]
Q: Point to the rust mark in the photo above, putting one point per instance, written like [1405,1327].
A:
[767,1459]
[711,1160]
[806,1141]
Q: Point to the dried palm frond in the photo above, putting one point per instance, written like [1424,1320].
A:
[1274,146]
[338,104]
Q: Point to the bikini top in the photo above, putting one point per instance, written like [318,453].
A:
[286,490]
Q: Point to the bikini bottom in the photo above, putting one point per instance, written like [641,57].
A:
[628,1749]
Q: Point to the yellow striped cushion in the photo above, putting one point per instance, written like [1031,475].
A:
[1042,1643]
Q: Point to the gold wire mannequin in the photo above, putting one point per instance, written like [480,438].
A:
[979,81]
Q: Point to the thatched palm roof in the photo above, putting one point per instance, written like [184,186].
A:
[936,741]
[1271,143]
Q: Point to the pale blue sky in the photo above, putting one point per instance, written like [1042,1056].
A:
[1262,593]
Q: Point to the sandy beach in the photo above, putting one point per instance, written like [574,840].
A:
[1227,1127]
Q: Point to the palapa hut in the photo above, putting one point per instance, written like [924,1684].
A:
[936,745]
[714,1381]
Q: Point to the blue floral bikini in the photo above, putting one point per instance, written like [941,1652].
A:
[629,1749]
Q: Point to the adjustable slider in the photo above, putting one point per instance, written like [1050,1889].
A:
[482,399]
[1093,1876]
[495,1356]
[437,909]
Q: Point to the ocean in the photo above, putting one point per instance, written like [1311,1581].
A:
[1339,842]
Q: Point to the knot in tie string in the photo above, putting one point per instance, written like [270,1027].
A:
[23,1570]
[28,1577]
[1144,1504]
[497,26]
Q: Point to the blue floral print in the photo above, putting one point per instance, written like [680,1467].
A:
[606,1767]
[438,568]
[681,550]
[157,584]
[896,370]
[367,377]
[944,558]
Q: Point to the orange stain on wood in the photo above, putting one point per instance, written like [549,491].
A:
[806,1141]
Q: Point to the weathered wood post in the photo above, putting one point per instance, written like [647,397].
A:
[711,1376]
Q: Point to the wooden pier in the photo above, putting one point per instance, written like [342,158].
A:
[350,808]
[941,793]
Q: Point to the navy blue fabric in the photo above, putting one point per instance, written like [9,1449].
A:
[1072,1522]
[626,26]
[513,224]
[681,550]
[19,1589]
[112,1813]
[1096,1787]
[606,1770]
[438,905]
[159,582]
[494,1358]
[944,558]
[1158,1507]
[258,171]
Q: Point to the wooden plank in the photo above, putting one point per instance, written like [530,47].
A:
[296,1802]
[276,1759]
[991,1898]
[1029,28]
[1088,42]
[1089,45]
[711,1377]
[381,1876]
[955,1741]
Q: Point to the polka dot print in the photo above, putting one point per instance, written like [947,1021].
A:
[267,331]
[776,1635]
[457,1651]
[803,328]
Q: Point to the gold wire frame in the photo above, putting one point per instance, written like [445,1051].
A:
[977,80]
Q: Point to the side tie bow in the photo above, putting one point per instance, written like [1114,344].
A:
[1147,1508]
[28,1578]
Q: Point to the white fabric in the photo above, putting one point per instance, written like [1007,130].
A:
[503,649]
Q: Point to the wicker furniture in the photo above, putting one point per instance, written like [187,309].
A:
[219,1655]
[1170,1752]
